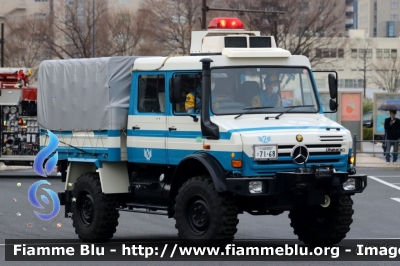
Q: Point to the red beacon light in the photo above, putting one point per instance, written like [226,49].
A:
[226,23]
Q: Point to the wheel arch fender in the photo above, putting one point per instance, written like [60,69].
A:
[198,164]
[76,169]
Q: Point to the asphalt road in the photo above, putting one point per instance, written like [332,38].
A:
[377,215]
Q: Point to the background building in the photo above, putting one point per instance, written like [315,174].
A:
[39,8]
[351,12]
[378,56]
[379,18]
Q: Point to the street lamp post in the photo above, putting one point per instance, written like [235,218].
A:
[2,44]
[93,33]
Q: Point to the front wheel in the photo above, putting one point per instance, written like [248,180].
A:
[318,226]
[202,214]
[94,214]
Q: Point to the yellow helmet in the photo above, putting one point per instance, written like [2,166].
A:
[30,73]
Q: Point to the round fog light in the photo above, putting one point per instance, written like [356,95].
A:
[255,186]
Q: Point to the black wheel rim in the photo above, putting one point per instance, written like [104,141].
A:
[85,208]
[198,215]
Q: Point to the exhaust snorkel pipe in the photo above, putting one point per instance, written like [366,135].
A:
[209,130]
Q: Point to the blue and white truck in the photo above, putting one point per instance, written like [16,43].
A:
[126,142]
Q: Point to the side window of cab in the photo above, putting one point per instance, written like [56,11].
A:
[186,93]
[151,95]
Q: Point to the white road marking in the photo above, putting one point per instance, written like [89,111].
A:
[396,199]
[384,182]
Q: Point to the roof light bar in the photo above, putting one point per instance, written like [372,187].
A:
[226,23]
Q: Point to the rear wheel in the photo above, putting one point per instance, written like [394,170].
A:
[202,214]
[94,214]
[318,226]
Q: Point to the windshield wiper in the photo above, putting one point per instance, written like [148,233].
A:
[290,108]
[253,108]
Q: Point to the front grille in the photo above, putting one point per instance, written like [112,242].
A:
[309,161]
[331,138]
[284,152]
[311,146]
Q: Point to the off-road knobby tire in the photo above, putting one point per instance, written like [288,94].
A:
[328,231]
[222,212]
[105,215]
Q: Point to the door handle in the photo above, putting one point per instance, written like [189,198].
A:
[172,129]
[135,127]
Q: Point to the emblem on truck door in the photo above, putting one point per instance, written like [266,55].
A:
[147,154]
[299,154]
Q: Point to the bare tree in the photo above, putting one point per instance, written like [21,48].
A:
[387,74]
[361,48]
[300,29]
[70,27]
[23,43]
[174,20]
[130,33]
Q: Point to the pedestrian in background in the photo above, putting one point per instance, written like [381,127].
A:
[392,129]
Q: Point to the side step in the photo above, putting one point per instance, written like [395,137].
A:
[150,209]
[143,183]
[147,212]
[146,206]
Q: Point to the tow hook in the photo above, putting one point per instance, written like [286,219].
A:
[351,171]
[346,201]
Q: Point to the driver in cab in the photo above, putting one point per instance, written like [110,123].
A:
[269,96]
[222,93]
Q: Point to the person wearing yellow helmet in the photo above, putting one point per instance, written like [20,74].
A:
[193,99]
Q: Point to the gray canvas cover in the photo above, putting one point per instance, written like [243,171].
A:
[84,94]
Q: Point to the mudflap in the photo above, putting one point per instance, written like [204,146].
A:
[65,199]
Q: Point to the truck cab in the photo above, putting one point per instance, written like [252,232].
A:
[235,127]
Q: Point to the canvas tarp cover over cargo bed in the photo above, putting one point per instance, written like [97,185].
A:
[84,94]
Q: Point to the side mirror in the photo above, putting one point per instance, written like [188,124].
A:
[332,86]
[333,105]
[175,91]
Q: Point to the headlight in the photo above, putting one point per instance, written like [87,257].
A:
[350,184]
[255,187]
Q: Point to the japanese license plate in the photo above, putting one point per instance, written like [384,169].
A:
[265,152]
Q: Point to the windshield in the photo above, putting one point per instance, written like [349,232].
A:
[235,89]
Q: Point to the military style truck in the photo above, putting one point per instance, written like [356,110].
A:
[127,142]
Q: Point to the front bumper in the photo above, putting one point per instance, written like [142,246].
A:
[313,182]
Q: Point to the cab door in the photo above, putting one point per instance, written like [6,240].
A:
[183,129]
[147,121]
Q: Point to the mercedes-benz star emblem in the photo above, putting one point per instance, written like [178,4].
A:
[299,154]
